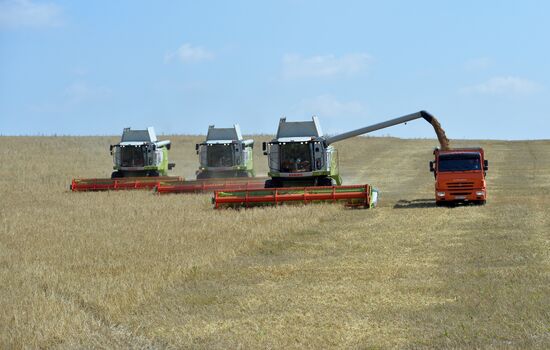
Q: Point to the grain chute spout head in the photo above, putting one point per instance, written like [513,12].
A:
[427,116]
[444,142]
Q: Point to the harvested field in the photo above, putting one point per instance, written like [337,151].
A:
[137,270]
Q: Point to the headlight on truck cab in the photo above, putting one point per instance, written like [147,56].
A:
[480,193]
[441,194]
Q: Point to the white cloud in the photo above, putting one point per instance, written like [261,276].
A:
[188,53]
[25,13]
[296,66]
[328,106]
[504,86]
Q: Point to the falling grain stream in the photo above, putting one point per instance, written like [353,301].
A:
[441,136]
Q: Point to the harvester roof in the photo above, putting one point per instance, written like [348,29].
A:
[224,135]
[298,131]
[130,136]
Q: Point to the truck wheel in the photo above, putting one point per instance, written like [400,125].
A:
[480,202]
[153,173]
[440,204]
[116,175]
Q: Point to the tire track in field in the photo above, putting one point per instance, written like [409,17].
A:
[115,335]
[398,168]
[376,153]
[348,267]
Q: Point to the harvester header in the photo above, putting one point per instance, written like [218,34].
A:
[357,196]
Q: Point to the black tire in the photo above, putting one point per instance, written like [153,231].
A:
[241,174]
[480,202]
[153,173]
[202,175]
[324,181]
[272,183]
[117,175]
[440,204]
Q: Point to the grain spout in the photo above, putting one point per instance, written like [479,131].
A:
[441,136]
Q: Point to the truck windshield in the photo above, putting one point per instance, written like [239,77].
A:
[459,162]
[219,155]
[132,156]
[295,157]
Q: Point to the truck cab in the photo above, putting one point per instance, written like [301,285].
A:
[460,176]
[139,153]
[225,154]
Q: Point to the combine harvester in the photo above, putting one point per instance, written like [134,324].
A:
[225,163]
[301,158]
[225,154]
[140,162]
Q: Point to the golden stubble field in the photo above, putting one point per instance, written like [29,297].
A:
[137,270]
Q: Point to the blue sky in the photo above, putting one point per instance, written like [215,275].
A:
[94,67]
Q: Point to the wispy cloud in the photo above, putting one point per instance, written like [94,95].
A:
[77,95]
[80,92]
[26,13]
[504,86]
[79,71]
[478,63]
[188,53]
[329,106]
[297,66]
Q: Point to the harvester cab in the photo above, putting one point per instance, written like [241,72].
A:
[225,154]
[301,155]
[139,153]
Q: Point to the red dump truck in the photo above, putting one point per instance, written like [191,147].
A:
[460,176]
